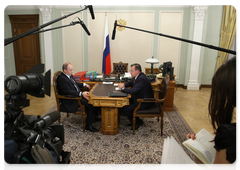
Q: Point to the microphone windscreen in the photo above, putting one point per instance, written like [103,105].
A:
[114,30]
[113,34]
[91,11]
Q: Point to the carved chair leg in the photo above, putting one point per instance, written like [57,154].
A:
[161,126]
[134,123]
[84,122]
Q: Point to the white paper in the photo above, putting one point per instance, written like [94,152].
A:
[117,88]
[107,82]
[127,75]
[173,153]
[99,76]
[115,84]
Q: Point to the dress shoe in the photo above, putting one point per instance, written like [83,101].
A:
[91,128]
[138,124]
[130,124]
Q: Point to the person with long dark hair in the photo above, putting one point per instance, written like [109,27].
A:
[221,108]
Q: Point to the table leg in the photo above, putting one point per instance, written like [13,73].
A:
[110,124]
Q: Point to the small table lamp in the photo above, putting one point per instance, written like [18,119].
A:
[152,61]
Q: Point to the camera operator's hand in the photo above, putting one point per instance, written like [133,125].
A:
[84,94]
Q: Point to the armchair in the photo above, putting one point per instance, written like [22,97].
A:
[58,97]
[159,111]
[120,68]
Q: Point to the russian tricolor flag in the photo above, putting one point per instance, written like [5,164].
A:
[106,66]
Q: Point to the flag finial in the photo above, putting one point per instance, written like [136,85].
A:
[105,13]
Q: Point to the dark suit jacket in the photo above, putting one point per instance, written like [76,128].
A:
[142,88]
[66,87]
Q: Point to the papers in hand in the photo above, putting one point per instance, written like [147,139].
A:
[173,153]
[202,147]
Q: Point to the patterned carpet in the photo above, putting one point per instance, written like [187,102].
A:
[145,147]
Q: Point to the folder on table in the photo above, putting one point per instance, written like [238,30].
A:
[117,94]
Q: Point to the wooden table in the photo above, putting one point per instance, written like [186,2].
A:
[98,97]
[155,85]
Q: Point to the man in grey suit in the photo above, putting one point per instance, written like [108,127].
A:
[68,86]
[141,88]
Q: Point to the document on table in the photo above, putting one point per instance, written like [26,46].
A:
[99,76]
[107,82]
[173,153]
[127,75]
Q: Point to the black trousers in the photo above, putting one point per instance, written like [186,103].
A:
[128,110]
[90,110]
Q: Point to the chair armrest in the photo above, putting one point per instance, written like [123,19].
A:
[70,97]
[149,99]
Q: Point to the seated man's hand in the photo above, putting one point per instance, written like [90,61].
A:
[121,85]
[88,86]
[84,94]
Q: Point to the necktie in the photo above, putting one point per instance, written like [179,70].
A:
[75,84]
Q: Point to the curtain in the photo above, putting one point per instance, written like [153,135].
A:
[236,43]
[228,32]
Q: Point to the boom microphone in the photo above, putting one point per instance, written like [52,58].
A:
[91,11]
[114,30]
[84,27]
[47,120]
[74,23]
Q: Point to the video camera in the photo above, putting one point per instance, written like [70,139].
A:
[31,139]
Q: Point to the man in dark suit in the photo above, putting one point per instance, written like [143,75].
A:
[141,88]
[68,86]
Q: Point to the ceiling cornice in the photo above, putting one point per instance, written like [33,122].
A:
[33,4]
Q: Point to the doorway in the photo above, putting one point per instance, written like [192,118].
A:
[26,49]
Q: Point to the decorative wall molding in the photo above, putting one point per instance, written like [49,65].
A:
[199,12]
[46,12]
[33,4]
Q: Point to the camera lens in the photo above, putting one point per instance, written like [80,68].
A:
[25,83]
[12,85]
